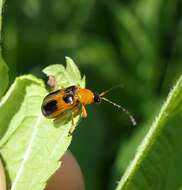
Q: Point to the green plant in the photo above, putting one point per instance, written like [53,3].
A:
[156,162]
[31,145]
[141,48]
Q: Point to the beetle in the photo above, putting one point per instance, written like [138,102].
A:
[74,99]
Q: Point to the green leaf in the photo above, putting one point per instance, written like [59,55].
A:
[65,78]
[1,8]
[12,108]
[4,78]
[31,145]
[155,164]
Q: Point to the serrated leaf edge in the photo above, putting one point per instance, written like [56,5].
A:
[70,62]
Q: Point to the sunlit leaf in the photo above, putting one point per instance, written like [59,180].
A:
[65,78]
[31,146]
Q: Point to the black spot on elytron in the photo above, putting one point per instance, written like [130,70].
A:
[97,98]
[49,107]
[68,99]
[71,90]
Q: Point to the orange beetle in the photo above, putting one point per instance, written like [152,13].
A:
[74,99]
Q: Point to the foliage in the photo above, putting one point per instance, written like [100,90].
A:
[137,43]
[155,161]
[31,145]
[4,79]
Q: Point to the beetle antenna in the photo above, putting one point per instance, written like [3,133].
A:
[122,108]
[112,88]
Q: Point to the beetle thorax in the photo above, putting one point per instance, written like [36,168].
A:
[86,96]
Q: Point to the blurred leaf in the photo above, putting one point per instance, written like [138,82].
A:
[99,52]
[1,10]
[149,12]
[155,162]
[32,145]
[4,78]
[70,11]
[136,44]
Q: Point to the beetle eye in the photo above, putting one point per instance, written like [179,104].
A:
[68,99]
[97,98]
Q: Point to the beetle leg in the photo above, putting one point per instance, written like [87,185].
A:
[84,112]
[72,124]
[74,113]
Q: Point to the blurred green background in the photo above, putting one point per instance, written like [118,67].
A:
[137,43]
